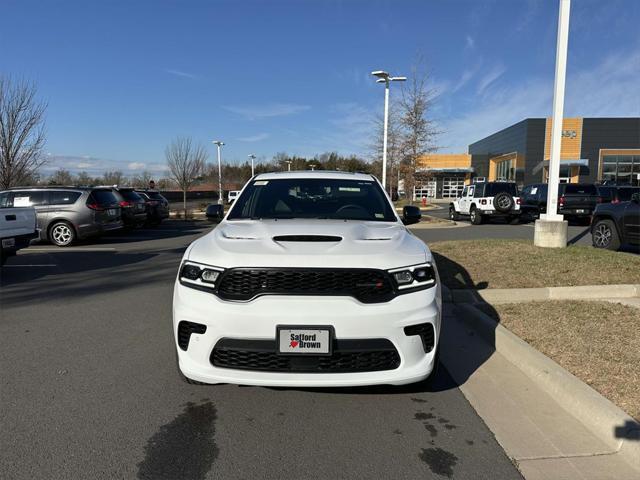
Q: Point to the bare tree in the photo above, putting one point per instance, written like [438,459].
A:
[84,179]
[22,135]
[142,180]
[113,177]
[186,162]
[61,177]
[419,131]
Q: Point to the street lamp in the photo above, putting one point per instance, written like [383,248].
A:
[551,228]
[219,144]
[252,157]
[384,77]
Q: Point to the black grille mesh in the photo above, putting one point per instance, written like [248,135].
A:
[185,329]
[347,357]
[366,285]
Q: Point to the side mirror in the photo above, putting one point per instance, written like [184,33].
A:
[635,198]
[411,214]
[214,212]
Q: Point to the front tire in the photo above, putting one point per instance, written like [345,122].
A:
[453,215]
[475,216]
[605,235]
[62,234]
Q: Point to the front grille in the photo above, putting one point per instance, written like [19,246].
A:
[185,329]
[366,285]
[349,356]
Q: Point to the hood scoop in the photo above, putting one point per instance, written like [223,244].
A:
[306,238]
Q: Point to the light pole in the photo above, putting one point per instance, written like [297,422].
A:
[219,144]
[252,157]
[384,77]
[551,228]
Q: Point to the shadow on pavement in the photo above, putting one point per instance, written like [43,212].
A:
[83,274]
[628,431]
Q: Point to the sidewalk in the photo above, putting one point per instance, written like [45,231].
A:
[543,439]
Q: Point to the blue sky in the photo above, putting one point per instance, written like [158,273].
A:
[122,78]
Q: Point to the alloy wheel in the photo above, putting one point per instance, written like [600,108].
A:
[62,234]
[602,235]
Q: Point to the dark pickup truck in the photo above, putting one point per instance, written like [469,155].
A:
[575,200]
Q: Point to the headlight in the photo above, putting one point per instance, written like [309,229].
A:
[414,277]
[197,275]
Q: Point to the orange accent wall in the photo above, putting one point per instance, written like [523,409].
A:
[445,160]
[570,146]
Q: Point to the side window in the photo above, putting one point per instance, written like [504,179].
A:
[61,197]
[472,189]
[30,198]
[464,191]
[6,199]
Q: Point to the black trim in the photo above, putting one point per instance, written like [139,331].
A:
[349,356]
[185,329]
[307,238]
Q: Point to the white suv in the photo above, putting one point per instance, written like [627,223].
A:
[487,199]
[310,280]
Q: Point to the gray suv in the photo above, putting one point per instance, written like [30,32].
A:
[65,214]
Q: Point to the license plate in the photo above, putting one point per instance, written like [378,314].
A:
[304,340]
[8,242]
[579,210]
[111,212]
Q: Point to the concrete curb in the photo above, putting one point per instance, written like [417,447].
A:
[607,421]
[497,296]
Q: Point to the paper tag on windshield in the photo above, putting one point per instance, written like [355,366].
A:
[379,215]
[261,182]
[349,189]
[21,202]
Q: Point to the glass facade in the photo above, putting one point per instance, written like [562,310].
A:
[505,170]
[623,169]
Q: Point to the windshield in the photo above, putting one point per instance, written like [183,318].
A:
[313,198]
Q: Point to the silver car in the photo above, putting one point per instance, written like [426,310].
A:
[66,214]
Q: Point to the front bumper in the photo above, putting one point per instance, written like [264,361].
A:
[349,318]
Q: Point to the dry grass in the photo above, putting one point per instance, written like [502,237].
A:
[519,264]
[596,341]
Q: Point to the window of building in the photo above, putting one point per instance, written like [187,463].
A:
[505,170]
[622,169]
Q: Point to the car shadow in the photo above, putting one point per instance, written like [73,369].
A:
[76,274]
[630,430]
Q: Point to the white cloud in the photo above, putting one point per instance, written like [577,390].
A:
[470,41]
[136,166]
[466,76]
[254,138]
[253,112]
[491,76]
[601,89]
[179,73]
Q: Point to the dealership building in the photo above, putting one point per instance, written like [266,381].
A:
[593,150]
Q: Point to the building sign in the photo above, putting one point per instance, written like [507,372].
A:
[569,133]
[571,144]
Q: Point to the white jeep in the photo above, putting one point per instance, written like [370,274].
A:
[487,199]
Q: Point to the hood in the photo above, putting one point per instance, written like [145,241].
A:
[309,243]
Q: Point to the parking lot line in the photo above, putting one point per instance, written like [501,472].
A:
[67,249]
[31,265]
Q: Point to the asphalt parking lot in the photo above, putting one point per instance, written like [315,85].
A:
[89,387]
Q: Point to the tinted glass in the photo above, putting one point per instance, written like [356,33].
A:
[104,197]
[156,196]
[492,189]
[60,197]
[579,189]
[131,196]
[29,198]
[6,199]
[624,194]
[313,198]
